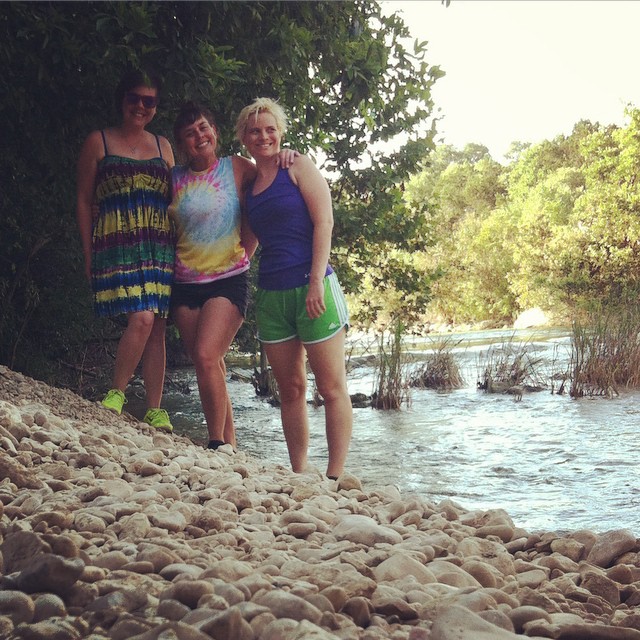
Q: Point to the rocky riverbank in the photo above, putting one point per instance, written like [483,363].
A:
[109,530]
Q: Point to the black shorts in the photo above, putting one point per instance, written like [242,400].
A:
[194,295]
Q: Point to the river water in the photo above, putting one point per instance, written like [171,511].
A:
[552,462]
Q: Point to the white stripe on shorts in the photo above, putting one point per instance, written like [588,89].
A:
[338,296]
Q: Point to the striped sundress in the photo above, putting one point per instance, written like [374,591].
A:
[133,240]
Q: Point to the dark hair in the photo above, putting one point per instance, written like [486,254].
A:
[188,114]
[131,80]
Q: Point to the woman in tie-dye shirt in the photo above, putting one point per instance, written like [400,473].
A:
[210,293]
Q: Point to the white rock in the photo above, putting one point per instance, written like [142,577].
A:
[364,530]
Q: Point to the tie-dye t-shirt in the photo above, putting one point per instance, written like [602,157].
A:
[206,212]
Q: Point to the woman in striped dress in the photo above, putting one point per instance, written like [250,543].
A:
[129,247]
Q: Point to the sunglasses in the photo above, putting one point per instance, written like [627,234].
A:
[148,102]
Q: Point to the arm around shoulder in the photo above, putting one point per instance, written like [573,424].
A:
[244,172]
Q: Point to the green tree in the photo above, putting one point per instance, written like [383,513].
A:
[543,219]
[534,163]
[459,191]
[601,248]
[557,227]
[349,76]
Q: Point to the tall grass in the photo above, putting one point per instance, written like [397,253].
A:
[440,370]
[391,385]
[264,382]
[510,365]
[605,353]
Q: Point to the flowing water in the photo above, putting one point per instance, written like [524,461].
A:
[552,462]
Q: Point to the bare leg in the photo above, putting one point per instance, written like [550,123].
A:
[131,347]
[207,334]
[229,426]
[154,361]
[327,363]
[288,364]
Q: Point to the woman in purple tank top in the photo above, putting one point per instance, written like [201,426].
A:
[300,307]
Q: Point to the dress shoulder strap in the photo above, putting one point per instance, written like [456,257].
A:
[158,143]
[104,142]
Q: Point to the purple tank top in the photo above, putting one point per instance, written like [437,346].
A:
[280,219]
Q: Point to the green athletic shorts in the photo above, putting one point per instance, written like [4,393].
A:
[282,315]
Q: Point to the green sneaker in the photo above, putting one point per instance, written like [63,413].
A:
[159,419]
[114,400]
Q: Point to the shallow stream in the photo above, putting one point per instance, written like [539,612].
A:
[552,462]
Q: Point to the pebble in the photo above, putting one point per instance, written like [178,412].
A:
[111,531]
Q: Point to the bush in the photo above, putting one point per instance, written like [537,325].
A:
[510,368]
[440,370]
[391,384]
[605,353]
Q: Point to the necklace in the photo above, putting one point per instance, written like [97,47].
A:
[133,148]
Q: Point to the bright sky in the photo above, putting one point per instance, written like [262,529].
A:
[527,70]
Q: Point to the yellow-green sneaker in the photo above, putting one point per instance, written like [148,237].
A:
[114,400]
[159,419]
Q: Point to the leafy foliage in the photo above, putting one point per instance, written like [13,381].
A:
[348,75]
[460,192]
[558,227]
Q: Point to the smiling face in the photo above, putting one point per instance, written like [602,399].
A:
[198,142]
[262,136]
[134,110]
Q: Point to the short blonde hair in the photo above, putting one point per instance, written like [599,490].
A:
[258,106]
